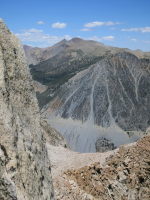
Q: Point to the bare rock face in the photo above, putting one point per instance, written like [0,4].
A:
[52,136]
[103,144]
[24,165]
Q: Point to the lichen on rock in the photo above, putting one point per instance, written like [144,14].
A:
[25,172]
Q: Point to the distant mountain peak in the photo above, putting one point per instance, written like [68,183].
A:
[63,41]
[76,39]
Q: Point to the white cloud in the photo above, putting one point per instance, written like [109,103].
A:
[133,39]
[142,29]
[33,30]
[104,38]
[40,22]
[109,38]
[98,23]
[140,41]
[146,41]
[59,25]
[85,29]
[40,38]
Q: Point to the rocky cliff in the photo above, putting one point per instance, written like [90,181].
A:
[25,172]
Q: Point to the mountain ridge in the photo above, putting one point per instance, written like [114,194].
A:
[100,91]
[74,41]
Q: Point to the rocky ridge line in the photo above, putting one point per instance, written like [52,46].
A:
[122,174]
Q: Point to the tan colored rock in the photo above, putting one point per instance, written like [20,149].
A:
[24,165]
[52,136]
[123,174]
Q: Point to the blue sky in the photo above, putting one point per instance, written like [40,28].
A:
[122,23]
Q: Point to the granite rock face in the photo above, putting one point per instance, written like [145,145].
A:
[25,172]
[53,137]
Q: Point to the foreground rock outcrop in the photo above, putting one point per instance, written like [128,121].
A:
[122,174]
[25,172]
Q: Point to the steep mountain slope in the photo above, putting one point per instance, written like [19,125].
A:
[57,64]
[24,164]
[108,101]
[95,95]
[69,57]
[114,90]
